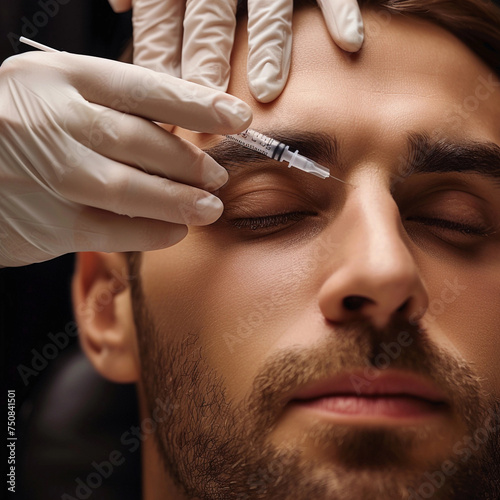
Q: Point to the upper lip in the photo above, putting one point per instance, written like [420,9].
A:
[386,383]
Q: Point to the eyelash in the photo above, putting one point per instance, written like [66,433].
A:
[460,227]
[267,221]
[256,223]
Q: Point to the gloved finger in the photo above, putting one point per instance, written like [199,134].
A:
[208,39]
[269,47]
[93,230]
[98,230]
[344,22]
[142,144]
[158,34]
[99,182]
[151,95]
[120,5]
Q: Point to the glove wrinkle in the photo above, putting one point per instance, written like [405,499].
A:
[157,26]
[269,47]
[209,29]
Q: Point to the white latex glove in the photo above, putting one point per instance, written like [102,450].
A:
[83,166]
[193,39]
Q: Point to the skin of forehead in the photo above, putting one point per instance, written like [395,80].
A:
[406,65]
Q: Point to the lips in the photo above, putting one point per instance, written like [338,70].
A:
[390,393]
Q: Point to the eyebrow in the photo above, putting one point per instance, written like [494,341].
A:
[423,154]
[317,146]
[443,156]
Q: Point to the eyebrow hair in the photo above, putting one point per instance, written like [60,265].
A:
[423,155]
[443,156]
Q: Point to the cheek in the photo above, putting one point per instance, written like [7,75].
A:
[172,295]
[246,300]
[262,299]
[252,298]
[463,314]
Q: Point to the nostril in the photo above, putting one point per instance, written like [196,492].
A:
[354,302]
[403,306]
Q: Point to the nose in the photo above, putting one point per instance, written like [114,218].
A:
[374,275]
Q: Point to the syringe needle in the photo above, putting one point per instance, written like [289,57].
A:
[340,180]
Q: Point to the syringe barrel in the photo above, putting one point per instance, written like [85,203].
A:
[259,142]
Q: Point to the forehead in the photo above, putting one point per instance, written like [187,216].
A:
[410,75]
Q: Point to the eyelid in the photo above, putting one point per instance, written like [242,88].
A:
[282,183]
[449,202]
[423,186]
[263,202]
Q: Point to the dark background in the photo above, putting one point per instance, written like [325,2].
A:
[80,26]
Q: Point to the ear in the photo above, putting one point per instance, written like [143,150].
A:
[103,310]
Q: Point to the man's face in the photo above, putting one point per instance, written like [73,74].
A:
[357,287]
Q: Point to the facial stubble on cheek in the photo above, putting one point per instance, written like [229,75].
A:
[213,448]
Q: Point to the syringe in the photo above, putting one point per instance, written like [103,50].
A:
[252,139]
[276,150]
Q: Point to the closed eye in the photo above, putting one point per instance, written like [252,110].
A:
[286,219]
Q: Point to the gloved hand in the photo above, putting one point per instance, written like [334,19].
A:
[200,51]
[83,166]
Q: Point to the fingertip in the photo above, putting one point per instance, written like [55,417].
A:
[247,119]
[244,113]
[267,86]
[264,94]
[234,112]
[353,35]
[352,41]
[155,234]
[208,210]
[345,23]
[213,176]
[173,235]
